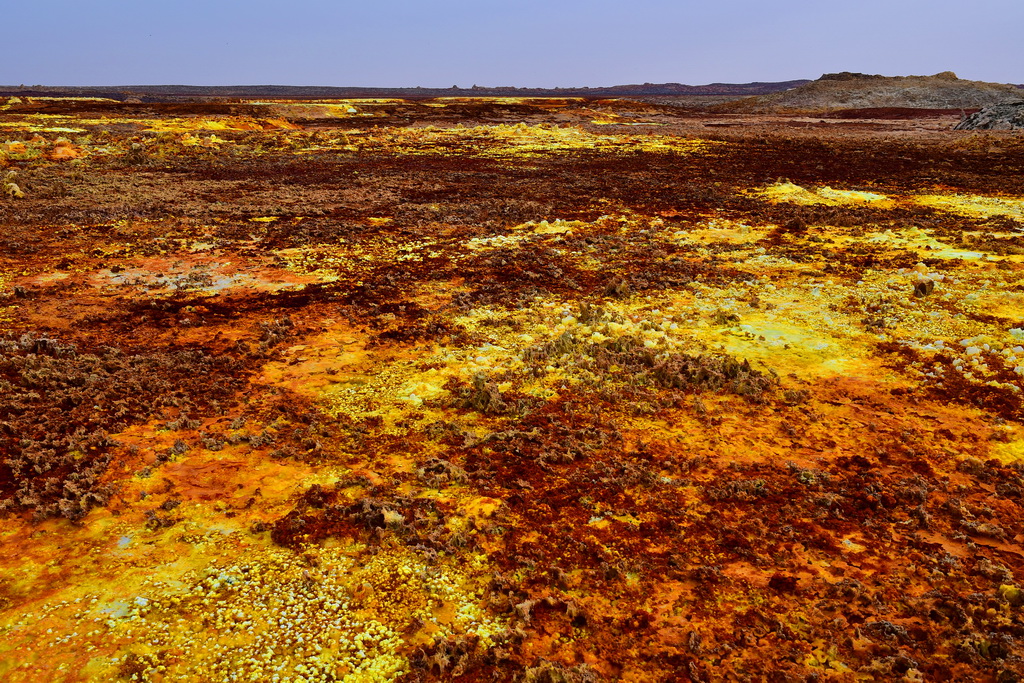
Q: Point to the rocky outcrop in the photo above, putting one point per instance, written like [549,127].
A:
[1008,116]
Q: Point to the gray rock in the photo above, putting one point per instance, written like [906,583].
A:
[1009,116]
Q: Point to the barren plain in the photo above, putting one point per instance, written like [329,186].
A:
[508,389]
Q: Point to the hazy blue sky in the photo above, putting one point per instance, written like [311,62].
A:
[543,43]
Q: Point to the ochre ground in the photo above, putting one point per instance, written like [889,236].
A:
[477,390]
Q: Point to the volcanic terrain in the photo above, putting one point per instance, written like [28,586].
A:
[508,389]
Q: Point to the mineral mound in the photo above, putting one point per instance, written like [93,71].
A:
[1009,116]
[855,91]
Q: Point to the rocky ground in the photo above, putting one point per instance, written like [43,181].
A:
[997,117]
[508,389]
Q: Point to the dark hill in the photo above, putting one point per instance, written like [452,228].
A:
[864,91]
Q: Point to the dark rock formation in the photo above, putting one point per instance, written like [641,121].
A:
[1008,116]
[848,76]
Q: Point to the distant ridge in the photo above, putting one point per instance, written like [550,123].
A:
[156,93]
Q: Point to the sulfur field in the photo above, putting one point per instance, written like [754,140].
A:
[541,390]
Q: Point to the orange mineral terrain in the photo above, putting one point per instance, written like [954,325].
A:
[507,390]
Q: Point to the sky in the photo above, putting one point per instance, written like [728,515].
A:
[526,43]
